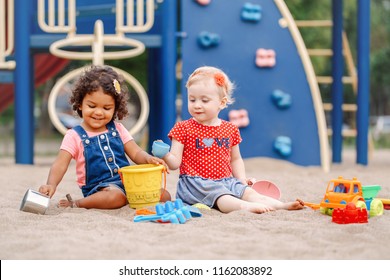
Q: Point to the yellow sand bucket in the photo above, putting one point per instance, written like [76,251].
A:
[142,184]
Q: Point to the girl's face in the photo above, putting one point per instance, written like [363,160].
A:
[98,109]
[204,102]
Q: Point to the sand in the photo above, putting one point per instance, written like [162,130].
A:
[80,234]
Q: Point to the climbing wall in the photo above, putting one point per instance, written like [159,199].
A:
[274,102]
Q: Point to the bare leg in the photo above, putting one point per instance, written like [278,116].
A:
[228,203]
[107,198]
[251,195]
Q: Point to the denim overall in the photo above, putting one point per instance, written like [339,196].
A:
[104,155]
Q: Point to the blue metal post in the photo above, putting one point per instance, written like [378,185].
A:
[23,81]
[337,75]
[155,94]
[168,71]
[363,95]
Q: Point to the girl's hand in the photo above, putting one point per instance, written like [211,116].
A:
[250,181]
[156,160]
[48,190]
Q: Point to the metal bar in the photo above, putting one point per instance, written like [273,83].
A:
[51,26]
[349,62]
[61,12]
[320,52]
[337,76]
[140,13]
[72,17]
[2,30]
[345,133]
[346,107]
[363,95]
[23,78]
[168,73]
[329,80]
[314,23]
[51,14]
[6,34]
[41,41]
[130,13]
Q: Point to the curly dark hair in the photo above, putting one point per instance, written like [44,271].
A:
[96,77]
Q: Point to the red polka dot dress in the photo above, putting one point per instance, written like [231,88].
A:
[207,149]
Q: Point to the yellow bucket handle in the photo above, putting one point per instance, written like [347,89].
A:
[165,182]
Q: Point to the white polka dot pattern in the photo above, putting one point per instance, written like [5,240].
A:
[207,149]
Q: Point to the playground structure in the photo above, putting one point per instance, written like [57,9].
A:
[276,85]
[97,42]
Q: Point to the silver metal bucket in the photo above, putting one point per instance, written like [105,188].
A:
[35,202]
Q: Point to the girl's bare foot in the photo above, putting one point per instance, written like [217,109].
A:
[256,208]
[295,205]
[63,203]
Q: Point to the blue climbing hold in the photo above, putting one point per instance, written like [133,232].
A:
[283,146]
[281,99]
[208,40]
[251,12]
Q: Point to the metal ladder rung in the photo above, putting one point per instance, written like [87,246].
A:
[345,132]
[329,80]
[320,52]
[314,23]
[346,107]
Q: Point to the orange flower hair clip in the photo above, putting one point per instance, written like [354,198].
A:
[219,79]
[117,86]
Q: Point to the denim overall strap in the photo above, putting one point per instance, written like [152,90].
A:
[104,156]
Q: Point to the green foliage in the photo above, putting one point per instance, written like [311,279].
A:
[136,66]
[7,115]
[383,142]
[320,37]
[380,58]
[309,9]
